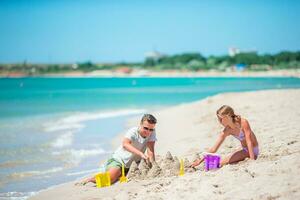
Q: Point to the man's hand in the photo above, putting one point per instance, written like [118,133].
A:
[195,163]
[144,156]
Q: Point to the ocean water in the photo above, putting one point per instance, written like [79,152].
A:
[54,130]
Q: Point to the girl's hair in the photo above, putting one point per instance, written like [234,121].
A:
[227,110]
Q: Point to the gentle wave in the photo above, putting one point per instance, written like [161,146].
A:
[74,121]
[83,172]
[63,140]
[16,195]
[59,126]
[74,156]
[93,116]
[82,153]
[20,175]
[14,163]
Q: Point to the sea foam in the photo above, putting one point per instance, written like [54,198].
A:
[74,121]
[63,140]
[17,195]
[75,156]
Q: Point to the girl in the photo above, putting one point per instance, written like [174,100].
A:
[240,129]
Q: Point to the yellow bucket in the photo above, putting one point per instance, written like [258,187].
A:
[102,179]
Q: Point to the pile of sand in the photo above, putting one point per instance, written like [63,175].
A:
[163,167]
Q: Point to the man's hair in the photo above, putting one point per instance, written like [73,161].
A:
[150,119]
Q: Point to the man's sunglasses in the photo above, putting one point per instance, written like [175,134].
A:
[148,129]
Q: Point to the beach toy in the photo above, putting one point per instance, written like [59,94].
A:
[123,178]
[102,179]
[212,161]
[181,170]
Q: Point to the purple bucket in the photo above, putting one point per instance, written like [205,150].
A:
[212,161]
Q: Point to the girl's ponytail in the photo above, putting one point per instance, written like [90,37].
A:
[236,118]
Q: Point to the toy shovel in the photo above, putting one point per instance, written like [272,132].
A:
[123,178]
[181,170]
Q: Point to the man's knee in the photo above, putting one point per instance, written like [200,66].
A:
[115,173]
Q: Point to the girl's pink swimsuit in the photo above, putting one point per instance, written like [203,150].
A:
[241,137]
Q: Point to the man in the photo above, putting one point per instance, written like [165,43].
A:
[134,145]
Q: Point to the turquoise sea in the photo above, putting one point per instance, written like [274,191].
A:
[54,130]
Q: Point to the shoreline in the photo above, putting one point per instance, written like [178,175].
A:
[166,74]
[198,122]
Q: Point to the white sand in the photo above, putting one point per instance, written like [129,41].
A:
[185,129]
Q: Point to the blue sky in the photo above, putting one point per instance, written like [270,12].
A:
[66,31]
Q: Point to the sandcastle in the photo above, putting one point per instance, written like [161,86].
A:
[167,166]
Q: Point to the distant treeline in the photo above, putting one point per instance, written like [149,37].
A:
[251,61]
[187,61]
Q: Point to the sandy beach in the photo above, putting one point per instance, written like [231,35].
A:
[191,128]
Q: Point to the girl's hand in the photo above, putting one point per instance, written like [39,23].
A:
[195,163]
